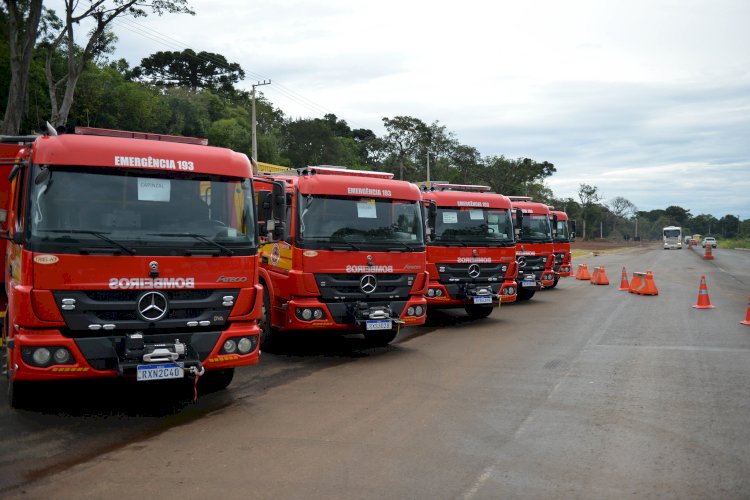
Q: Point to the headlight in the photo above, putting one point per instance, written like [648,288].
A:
[318,313]
[439,292]
[230,346]
[418,310]
[431,292]
[410,311]
[244,345]
[61,356]
[306,314]
[41,356]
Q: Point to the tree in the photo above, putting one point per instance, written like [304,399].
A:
[404,136]
[522,176]
[23,18]
[677,215]
[60,39]
[204,70]
[589,195]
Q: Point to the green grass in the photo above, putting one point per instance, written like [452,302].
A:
[738,243]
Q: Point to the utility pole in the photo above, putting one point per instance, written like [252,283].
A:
[254,152]
[428,168]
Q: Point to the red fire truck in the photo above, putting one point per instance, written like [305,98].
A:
[344,251]
[470,249]
[127,254]
[534,252]
[563,232]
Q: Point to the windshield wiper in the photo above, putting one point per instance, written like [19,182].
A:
[408,247]
[342,242]
[94,233]
[198,237]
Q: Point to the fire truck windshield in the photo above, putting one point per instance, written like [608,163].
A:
[536,228]
[562,231]
[454,225]
[367,222]
[74,208]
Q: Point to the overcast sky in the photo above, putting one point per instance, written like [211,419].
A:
[649,100]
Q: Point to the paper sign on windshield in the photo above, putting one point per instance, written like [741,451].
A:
[150,189]
[450,217]
[476,214]
[366,210]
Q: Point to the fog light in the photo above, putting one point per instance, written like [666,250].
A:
[306,314]
[419,310]
[41,356]
[431,292]
[244,345]
[230,346]
[61,356]
[318,313]
[410,311]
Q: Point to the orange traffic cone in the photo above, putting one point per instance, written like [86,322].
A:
[599,277]
[624,284]
[747,316]
[583,272]
[704,302]
[649,288]
[709,255]
[594,275]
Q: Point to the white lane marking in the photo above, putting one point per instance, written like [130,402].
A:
[692,348]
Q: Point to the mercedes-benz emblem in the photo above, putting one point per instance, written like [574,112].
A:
[521,261]
[474,271]
[152,306]
[368,283]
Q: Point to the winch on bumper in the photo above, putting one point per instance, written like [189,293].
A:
[375,317]
[153,361]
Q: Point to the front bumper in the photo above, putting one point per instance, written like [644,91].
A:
[106,357]
[351,316]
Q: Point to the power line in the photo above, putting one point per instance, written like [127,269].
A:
[174,43]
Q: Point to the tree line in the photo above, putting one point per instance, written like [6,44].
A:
[46,76]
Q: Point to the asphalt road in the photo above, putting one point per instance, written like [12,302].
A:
[584,391]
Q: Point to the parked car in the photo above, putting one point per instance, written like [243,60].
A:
[709,240]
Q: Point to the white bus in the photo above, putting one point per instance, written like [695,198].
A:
[672,237]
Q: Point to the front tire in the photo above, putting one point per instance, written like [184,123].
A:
[524,294]
[381,338]
[553,285]
[213,381]
[478,312]
[19,396]
[265,320]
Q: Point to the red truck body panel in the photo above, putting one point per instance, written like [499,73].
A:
[85,301]
[561,247]
[329,280]
[535,257]
[449,265]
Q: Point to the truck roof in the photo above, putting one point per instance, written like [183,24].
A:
[467,199]
[560,214]
[327,181]
[122,152]
[530,207]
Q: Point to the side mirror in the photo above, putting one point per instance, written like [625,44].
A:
[519,223]
[431,216]
[554,225]
[278,210]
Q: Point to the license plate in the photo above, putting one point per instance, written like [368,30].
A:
[378,324]
[528,283]
[483,300]
[159,372]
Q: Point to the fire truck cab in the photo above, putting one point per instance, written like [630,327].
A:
[534,251]
[342,250]
[470,248]
[563,233]
[126,255]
